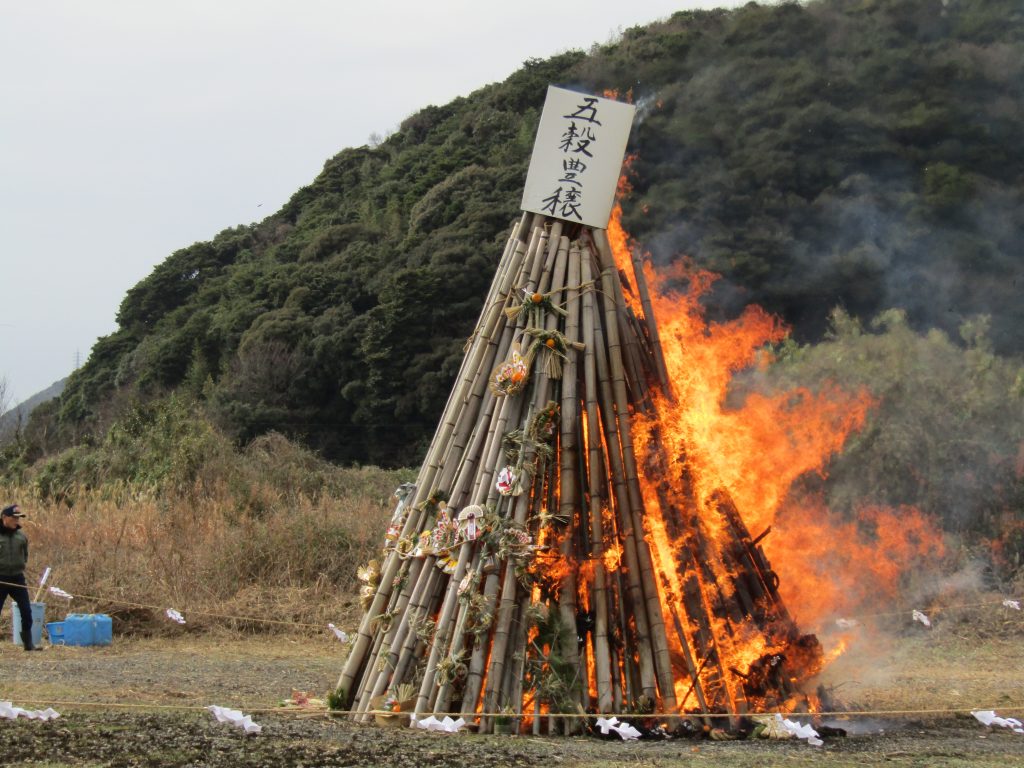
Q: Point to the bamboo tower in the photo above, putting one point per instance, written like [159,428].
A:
[517,575]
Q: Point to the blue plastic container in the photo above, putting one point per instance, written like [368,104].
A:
[55,632]
[103,629]
[38,614]
[87,629]
[78,629]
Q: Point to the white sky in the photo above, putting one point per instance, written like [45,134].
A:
[132,128]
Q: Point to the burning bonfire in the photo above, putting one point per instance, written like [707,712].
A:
[586,532]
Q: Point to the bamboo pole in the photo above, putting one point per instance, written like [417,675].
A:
[381,669]
[513,683]
[484,354]
[636,598]
[457,640]
[650,322]
[659,639]
[568,450]
[478,660]
[442,634]
[503,619]
[490,315]
[363,639]
[598,593]
[441,448]
[553,270]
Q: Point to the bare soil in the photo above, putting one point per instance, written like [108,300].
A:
[140,702]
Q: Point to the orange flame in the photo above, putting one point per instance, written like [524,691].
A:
[721,457]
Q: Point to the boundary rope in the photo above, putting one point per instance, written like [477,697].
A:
[263,709]
[283,622]
[162,608]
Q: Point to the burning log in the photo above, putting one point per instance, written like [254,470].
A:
[538,569]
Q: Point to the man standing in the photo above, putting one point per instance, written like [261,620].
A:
[13,559]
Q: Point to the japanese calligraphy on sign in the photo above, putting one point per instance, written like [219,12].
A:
[577,157]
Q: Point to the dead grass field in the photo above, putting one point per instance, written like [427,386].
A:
[139,702]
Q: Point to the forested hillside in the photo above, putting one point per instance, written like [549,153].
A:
[862,154]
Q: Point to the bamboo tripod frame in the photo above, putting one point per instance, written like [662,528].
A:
[574,616]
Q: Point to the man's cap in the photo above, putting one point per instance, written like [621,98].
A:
[12,511]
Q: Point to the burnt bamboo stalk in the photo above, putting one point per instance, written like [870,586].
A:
[625,673]
[633,366]
[651,322]
[614,304]
[673,521]
[636,378]
[628,590]
[598,593]
[754,561]
[710,605]
[686,647]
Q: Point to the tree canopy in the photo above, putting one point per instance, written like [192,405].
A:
[862,154]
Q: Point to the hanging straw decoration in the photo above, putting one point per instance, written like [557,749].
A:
[552,345]
[509,377]
[534,305]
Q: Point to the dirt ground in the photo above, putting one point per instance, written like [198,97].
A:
[140,702]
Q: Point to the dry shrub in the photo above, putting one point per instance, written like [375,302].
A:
[211,553]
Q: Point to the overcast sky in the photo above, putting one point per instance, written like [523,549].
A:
[132,128]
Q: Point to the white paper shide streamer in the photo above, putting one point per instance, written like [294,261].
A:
[444,726]
[10,712]
[918,616]
[60,593]
[989,717]
[341,634]
[800,731]
[235,718]
[174,615]
[625,730]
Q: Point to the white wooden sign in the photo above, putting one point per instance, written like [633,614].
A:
[577,157]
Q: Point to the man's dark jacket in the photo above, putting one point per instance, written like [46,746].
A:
[13,551]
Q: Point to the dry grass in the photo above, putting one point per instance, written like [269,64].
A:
[208,555]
